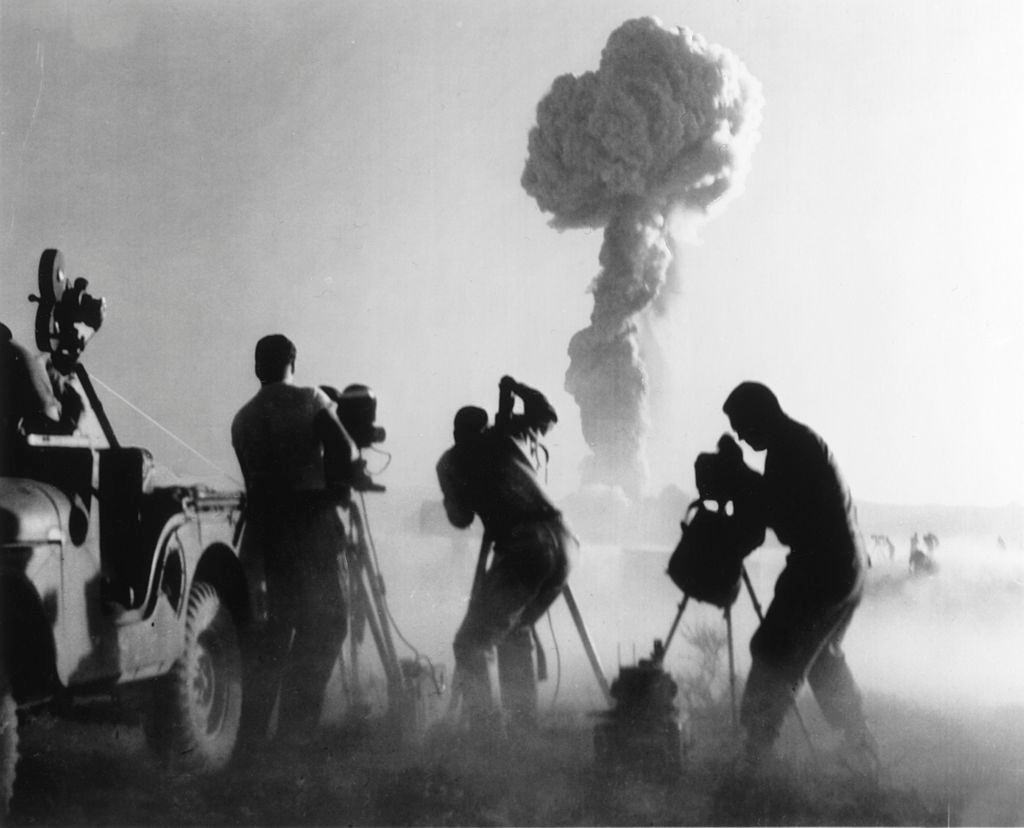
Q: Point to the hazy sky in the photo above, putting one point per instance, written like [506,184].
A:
[348,173]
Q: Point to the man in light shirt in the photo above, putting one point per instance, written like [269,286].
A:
[297,461]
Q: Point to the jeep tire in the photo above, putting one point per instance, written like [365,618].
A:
[194,720]
[8,743]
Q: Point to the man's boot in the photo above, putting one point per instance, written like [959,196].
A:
[766,699]
[518,681]
[480,710]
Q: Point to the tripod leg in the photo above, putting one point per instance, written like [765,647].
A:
[357,693]
[391,668]
[481,564]
[595,663]
[732,667]
[675,624]
[374,599]
[478,577]
[355,628]
[752,594]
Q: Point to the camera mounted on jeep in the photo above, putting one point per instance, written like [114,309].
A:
[67,316]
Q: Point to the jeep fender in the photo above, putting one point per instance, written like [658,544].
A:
[207,555]
[151,639]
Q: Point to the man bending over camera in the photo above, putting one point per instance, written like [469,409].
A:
[808,506]
[492,472]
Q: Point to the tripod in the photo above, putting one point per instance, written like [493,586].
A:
[408,681]
[574,611]
[732,660]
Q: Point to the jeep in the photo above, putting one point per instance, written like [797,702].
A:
[109,580]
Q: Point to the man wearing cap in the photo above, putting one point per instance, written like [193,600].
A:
[297,460]
[808,506]
[492,473]
[25,399]
[28,402]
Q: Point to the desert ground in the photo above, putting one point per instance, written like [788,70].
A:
[938,658]
[936,772]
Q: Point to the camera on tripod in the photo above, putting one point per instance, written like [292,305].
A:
[724,525]
[357,410]
[722,477]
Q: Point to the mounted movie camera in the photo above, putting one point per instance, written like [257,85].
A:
[721,527]
[724,525]
[723,477]
[67,316]
[357,410]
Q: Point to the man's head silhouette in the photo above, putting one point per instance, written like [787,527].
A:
[754,414]
[470,421]
[275,358]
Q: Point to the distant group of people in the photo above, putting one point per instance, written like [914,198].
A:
[297,459]
[922,562]
[919,561]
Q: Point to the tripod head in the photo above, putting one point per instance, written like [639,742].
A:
[363,482]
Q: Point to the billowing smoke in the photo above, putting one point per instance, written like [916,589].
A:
[659,135]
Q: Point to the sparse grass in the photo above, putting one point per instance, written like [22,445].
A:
[705,700]
[702,688]
[92,773]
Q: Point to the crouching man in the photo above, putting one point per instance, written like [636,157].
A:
[492,473]
[808,506]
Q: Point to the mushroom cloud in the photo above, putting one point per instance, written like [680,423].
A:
[660,135]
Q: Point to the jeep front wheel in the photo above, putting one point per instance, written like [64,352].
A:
[8,743]
[195,718]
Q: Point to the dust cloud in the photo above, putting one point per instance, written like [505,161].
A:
[937,656]
[944,639]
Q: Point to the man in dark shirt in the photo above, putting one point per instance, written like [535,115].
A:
[490,472]
[808,506]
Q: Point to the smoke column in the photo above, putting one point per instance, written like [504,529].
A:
[661,134]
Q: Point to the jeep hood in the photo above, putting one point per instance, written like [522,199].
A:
[32,512]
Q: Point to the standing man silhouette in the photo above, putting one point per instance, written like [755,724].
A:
[297,460]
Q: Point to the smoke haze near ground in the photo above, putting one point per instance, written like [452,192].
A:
[945,645]
[936,656]
[955,635]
